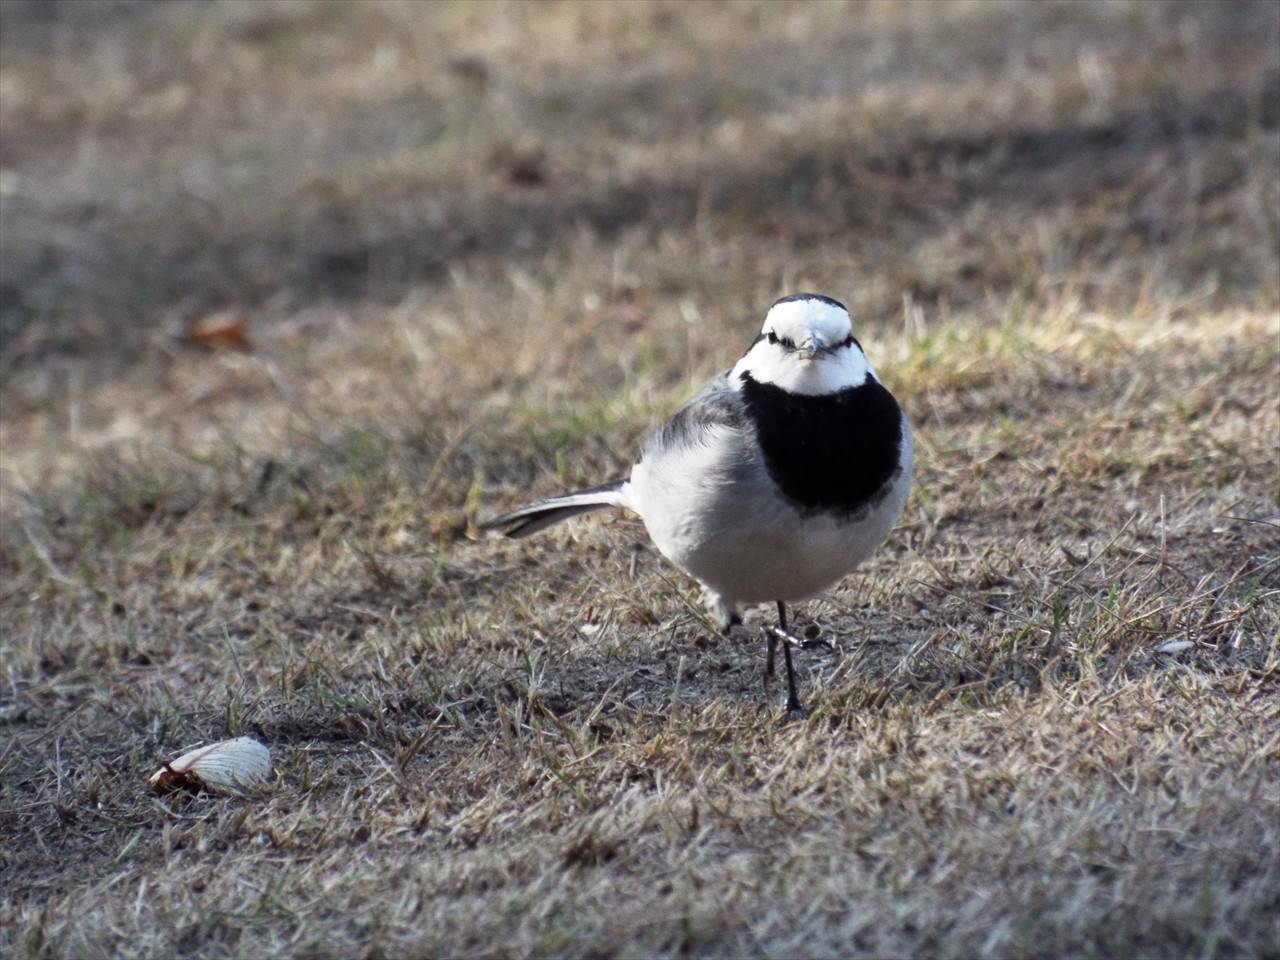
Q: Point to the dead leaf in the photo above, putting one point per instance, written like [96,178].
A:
[223,329]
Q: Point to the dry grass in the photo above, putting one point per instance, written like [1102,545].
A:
[480,251]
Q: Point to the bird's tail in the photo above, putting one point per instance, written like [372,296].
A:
[533,517]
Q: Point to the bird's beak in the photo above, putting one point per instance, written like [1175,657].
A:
[810,347]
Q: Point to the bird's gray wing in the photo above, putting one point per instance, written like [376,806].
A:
[715,405]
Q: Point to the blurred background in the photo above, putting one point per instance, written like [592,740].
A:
[292,292]
[297,177]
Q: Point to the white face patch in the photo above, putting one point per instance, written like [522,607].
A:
[800,320]
[807,356]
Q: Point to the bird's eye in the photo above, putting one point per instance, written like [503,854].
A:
[788,343]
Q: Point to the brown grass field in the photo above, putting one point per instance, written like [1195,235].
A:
[475,252]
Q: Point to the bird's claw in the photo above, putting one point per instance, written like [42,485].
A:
[795,643]
[795,711]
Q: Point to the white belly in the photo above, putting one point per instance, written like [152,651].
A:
[713,511]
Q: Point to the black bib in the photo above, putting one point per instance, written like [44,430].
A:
[833,452]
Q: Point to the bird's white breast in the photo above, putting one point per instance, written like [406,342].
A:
[713,511]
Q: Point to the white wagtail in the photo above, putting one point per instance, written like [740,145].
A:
[775,480]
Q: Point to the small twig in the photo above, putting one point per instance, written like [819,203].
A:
[1101,553]
[699,614]
[1243,572]
[985,605]
[1265,523]
[444,456]
[235,658]
[55,571]
[1268,748]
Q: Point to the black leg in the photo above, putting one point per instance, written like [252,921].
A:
[794,706]
[779,635]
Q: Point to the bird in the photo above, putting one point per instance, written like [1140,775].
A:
[774,481]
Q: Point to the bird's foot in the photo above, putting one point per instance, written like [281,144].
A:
[795,711]
[724,615]
[738,631]
[777,635]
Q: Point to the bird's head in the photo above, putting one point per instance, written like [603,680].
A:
[806,346]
